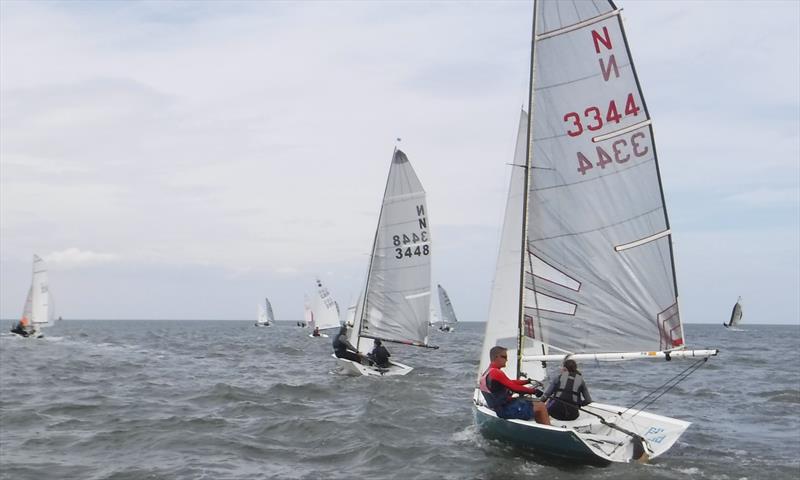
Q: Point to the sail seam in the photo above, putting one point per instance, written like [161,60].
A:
[648,212]
[616,172]
[577,80]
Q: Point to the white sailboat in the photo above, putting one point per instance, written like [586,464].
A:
[322,311]
[449,319]
[265,315]
[736,316]
[395,303]
[38,310]
[585,267]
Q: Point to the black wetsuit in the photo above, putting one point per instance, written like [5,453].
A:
[20,331]
[380,356]
[340,345]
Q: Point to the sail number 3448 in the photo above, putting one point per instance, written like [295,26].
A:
[401,250]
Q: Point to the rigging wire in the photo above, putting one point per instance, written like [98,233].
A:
[667,386]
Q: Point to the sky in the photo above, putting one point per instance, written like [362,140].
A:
[183,160]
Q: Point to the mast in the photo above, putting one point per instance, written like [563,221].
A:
[525,193]
[372,254]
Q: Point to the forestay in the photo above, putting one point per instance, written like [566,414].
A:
[599,247]
[397,301]
[502,326]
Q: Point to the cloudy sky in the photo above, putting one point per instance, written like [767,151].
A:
[181,160]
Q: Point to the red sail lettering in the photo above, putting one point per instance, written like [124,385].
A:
[618,152]
[605,39]
[583,163]
[603,158]
[636,151]
[612,64]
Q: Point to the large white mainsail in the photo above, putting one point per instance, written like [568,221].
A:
[395,305]
[449,319]
[38,310]
[736,314]
[265,315]
[592,273]
[324,309]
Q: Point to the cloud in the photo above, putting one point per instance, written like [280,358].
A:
[75,257]
[240,138]
[764,197]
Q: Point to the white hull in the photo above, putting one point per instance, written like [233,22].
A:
[262,324]
[352,368]
[37,334]
[321,335]
[585,439]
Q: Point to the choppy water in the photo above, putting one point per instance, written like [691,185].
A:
[226,400]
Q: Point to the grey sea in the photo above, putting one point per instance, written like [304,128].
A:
[227,400]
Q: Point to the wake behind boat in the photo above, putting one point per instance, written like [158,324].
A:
[585,267]
[38,311]
[395,303]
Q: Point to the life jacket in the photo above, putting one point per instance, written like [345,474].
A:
[495,393]
[567,395]
[24,322]
[381,356]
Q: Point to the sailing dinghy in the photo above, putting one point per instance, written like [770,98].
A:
[322,311]
[395,303]
[736,316]
[449,319]
[585,267]
[265,315]
[38,311]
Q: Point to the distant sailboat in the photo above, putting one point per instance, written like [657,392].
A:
[449,319]
[736,315]
[38,311]
[265,315]
[585,268]
[395,303]
[322,311]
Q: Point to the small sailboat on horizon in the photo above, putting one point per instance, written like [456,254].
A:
[736,316]
[585,269]
[394,305]
[448,314]
[265,316]
[39,308]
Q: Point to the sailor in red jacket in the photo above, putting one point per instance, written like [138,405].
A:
[497,388]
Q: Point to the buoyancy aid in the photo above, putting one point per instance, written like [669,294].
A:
[495,393]
[569,388]
[568,397]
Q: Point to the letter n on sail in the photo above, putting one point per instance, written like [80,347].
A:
[669,325]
